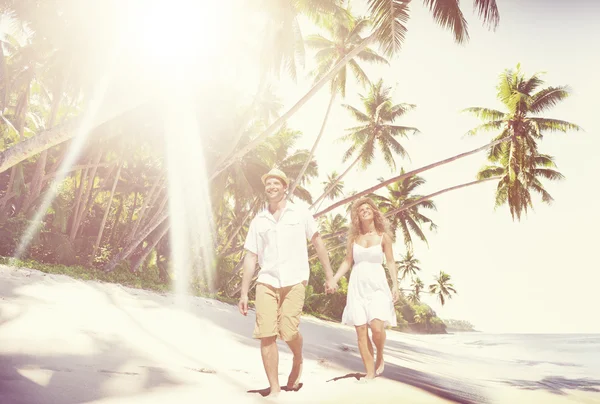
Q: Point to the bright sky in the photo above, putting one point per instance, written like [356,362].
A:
[536,275]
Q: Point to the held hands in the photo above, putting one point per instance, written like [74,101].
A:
[330,286]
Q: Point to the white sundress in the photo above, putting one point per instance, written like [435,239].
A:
[369,296]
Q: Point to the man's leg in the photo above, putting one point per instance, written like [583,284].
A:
[291,310]
[270,358]
[266,329]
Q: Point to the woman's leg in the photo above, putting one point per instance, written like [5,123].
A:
[378,331]
[362,332]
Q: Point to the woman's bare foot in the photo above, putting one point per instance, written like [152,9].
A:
[379,365]
[369,376]
[295,374]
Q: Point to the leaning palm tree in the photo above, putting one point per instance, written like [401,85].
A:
[345,32]
[520,129]
[409,220]
[389,30]
[376,131]
[442,287]
[408,266]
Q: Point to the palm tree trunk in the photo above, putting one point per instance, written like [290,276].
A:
[77,204]
[84,201]
[113,228]
[161,233]
[106,213]
[418,201]
[40,168]
[282,119]
[148,201]
[241,225]
[312,151]
[406,175]
[59,134]
[126,252]
[157,212]
[443,191]
[328,190]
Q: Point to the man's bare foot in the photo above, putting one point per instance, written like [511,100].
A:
[273,392]
[295,374]
[379,365]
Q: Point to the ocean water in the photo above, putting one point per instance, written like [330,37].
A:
[558,363]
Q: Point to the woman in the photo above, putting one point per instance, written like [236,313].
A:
[369,302]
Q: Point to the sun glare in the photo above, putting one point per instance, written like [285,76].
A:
[168,35]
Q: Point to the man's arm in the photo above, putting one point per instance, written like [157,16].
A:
[323,255]
[249,270]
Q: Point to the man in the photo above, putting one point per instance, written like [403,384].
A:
[277,238]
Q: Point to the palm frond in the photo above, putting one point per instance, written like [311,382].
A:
[548,98]
[369,55]
[488,11]
[389,19]
[486,114]
[447,14]
[359,116]
[555,125]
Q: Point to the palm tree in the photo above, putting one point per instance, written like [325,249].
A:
[518,160]
[390,17]
[334,225]
[408,266]
[515,184]
[408,220]
[415,295]
[284,45]
[377,130]
[524,101]
[333,182]
[442,287]
[345,31]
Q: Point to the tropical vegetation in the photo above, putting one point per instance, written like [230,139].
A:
[94,161]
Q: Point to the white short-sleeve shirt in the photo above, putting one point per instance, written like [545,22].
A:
[281,246]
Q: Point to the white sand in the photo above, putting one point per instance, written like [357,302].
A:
[68,341]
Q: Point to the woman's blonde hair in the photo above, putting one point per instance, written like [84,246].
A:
[381,223]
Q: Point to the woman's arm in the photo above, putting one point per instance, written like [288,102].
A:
[391,263]
[345,266]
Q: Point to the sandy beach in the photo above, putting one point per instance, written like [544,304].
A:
[68,341]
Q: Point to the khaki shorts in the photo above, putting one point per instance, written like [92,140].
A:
[278,311]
